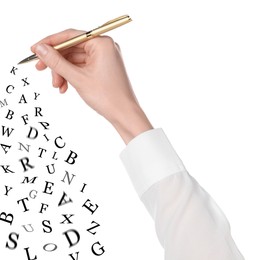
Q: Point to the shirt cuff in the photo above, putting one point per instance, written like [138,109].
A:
[149,158]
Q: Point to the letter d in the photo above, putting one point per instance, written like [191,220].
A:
[33,133]
[77,237]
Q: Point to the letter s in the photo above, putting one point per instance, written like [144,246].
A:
[13,237]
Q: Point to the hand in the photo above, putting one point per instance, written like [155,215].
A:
[96,70]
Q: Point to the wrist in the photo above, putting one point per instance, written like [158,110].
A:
[131,123]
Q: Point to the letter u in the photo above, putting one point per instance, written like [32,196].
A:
[53,168]
[31,228]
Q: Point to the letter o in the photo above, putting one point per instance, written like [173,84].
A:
[49,250]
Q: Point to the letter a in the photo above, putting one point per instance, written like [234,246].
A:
[63,201]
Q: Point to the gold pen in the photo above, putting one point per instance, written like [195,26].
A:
[110,25]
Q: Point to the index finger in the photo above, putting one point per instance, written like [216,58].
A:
[57,38]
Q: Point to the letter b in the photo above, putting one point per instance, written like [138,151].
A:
[71,158]
[7,218]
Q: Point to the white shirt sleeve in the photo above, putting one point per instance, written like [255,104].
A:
[189,224]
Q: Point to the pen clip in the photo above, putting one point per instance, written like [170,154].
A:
[116,20]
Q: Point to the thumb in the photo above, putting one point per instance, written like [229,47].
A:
[56,62]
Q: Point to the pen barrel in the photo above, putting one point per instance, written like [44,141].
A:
[73,41]
[93,33]
[110,26]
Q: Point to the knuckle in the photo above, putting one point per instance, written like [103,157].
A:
[108,40]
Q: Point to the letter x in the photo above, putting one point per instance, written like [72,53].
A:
[25,82]
[67,219]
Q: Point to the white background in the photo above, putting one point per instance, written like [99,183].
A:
[193,65]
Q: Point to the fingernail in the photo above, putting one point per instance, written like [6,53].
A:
[41,50]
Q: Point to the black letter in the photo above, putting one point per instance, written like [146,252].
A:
[7,130]
[48,188]
[89,206]
[28,255]
[45,247]
[25,82]
[7,89]
[26,163]
[95,226]
[5,168]
[71,255]
[45,125]
[46,137]
[10,114]
[47,226]
[23,203]
[6,216]
[43,207]
[12,240]
[41,151]
[71,156]
[35,135]
[7,190]
[5,147]
[23,99]
[36,95]
[26,179]
[84,185]
[25,119]
[59,146]
[67,218]
[13,70]
[38,111]
[68,238]
[53,167]
[94,252]
[63,201]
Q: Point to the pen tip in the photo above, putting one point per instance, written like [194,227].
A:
[28,59]
[23,61]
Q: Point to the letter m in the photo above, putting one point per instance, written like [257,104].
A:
[3,103]
[32,180]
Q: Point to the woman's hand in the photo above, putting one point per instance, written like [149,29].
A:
[96,70]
